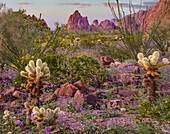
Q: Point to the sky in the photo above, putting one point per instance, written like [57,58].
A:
[60,10]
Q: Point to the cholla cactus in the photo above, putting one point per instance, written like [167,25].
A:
[39,115]
[8,117]
[53,114]
[36,76]
[151,66]
[29,111]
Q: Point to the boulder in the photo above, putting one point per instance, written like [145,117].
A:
[84,87]
[15,104]
[125,78]
[20,94]
[127,93]
[114,104]
[83,98]
[162,86]
[48,96]
[105,60]
[67,90]
[10,91]
[2,98]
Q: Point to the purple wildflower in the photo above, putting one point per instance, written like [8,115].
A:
[115,118]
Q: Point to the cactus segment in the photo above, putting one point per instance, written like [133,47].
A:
[39,63]
[150,57]
[44,65]
[31,63]
[140,56]
[38,70]
[35,109]
[24,74]
[165,61]
[154,60]
[156,54]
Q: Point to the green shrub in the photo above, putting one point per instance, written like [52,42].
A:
[113,51]
[158,111]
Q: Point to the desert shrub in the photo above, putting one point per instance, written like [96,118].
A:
[161,37]
[158,111]
[68,65]
[86,68]
[87,42]
[19,37]
[87,53]
[113,51]
[74,68]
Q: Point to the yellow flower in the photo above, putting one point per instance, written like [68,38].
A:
[140,106]
[13,66]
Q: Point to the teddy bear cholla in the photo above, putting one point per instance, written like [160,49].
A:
[151,66]
[36,76]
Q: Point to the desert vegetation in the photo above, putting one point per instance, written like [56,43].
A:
[57,82]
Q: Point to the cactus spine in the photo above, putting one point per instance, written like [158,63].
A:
[150,65]
[36,76]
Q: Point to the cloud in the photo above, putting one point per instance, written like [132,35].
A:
[76,4]
[150,3]
[124,5]
[23,3]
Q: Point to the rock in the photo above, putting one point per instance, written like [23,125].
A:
[134,19]
[82,97]
[20,94]
[104,60]
[57,128]
[34,18]
[125,65]
[84,87]
[161,93]
[9,91]
[76,21]
[6,95]
[15,104]
[162,86]
[95,23]
[48,96]
[79,84]
[114,21]
[57,91]
[89,88]
[101,95]
[155,13]
[43,23]
[2,98]
[136,70]
[122,109]
[83,23]
[114,104]
[127,93]
[125,78]
[66,90]
[107,25]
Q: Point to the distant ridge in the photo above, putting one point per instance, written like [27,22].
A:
[76,21]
